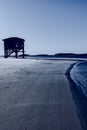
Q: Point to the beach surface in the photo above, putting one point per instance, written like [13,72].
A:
[36,95]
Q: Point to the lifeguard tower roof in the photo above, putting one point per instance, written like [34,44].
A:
[13,39]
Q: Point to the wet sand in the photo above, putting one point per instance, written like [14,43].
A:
[36,95]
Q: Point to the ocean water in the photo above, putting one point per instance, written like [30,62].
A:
[79,76]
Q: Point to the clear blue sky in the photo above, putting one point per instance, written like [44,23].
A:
[48,26]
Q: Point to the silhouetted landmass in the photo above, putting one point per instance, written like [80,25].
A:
[71,55]
[68,55]
[42,55]
[62,55]
[24,55]
[82,55]
[57,55]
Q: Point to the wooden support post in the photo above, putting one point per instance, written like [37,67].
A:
[23,51]
[5,54]
[16,53]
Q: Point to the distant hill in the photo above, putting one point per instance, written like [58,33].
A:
[24,55]
[42,55]
[82,55]
[71,55]
[59,55]
[68,55]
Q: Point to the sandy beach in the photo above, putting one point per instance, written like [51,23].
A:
[36,95]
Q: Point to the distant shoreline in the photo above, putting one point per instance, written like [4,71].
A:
[46,58]
[57,55]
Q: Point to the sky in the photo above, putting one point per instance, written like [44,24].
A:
[48,26]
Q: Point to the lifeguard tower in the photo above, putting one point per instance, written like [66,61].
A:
[13,45]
